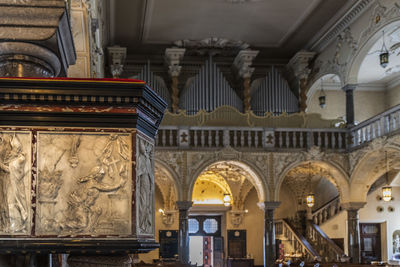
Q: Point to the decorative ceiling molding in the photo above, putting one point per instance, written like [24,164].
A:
[212,43]
[350,16]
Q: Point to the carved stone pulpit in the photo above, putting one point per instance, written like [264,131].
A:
[76,165]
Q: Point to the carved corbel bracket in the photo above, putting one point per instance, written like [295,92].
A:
[117,56]
[168,217]
[237,217]
[243,62]
[173,56]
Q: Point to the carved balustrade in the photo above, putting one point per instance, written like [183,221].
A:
[326,212]
[298,242]
[251,138]
[328,250]
[385,123]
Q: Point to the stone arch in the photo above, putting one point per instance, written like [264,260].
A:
[254,175]
[171,176]
[337,177]
[369,168]
[368,38]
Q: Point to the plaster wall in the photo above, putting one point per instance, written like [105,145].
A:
[288,207]
[325,191]
[337,228]
[366,104]
[392,96]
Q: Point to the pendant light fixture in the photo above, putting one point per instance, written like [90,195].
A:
[310,198]
[322,97]
[387,190]
[227,200]
[384,54]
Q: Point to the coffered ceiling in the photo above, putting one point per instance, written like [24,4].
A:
[277,27]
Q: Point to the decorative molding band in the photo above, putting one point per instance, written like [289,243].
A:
[351,15]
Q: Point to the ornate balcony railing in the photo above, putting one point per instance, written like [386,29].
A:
[273,139]
[386,123]
[250,138]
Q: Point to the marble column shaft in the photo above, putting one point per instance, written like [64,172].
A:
[183,238]
[349,90]
[353,230]
[269,232]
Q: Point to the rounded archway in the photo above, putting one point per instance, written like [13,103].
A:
[365,67]
[241,171]
[372,167]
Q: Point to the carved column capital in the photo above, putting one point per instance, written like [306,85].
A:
[353,206]
[349,87]
[268,205]
[173,56]
[184,205]
[243,62]
[116,60]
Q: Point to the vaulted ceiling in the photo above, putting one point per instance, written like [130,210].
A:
[278,28]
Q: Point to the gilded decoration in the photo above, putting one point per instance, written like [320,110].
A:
[15,181]
[84,183]
[145,187]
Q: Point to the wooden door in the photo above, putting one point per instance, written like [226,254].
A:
[370,239]
[218,251]
[207,251]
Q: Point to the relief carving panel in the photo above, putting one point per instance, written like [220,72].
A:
[84,183]
[145,187]
[15,182]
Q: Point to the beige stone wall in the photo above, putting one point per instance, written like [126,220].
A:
[393,97]
[288,207]
[337,227]
[253,223]
[324,191]
[367,104]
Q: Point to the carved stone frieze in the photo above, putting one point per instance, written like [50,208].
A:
[15,180]
[145,186]
[92,195]
[283,160]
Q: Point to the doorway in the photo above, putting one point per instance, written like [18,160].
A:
[205,241]
[370,238]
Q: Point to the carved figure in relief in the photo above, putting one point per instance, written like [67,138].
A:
[5,149]
[145,185]
[13,172]
[82,214]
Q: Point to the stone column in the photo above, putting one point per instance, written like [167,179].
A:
[173,56]
[183,238]
[353,231]
[269,232]
[35,39]
[299,64]
[349,90]
[242,63]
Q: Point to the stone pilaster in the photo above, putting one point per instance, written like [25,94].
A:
[299,64]
[183,238]
[173,56]
[349,90]
[35,39]
[116,60]
[353,229]
[269,232]
[242,63]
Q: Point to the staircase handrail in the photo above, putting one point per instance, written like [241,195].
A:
[330,251]
[300,238]
[327,211]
